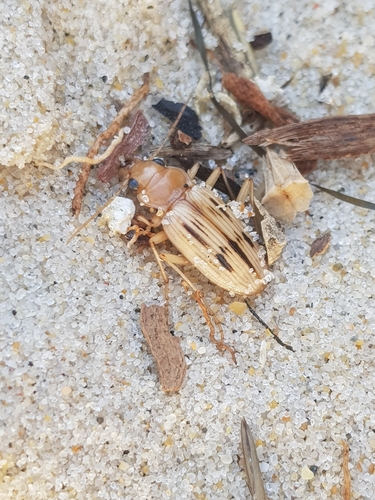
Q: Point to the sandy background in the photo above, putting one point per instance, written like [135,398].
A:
[82,415]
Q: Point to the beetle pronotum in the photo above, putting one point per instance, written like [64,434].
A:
[205,230]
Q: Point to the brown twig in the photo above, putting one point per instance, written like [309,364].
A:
[101,139]
[322,139]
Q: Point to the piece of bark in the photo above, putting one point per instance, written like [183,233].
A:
[286,191]
[320,245]
[129,144]
[165,348]
[322,139]
[101,139]
[198,152]
[249,95]
[179,140]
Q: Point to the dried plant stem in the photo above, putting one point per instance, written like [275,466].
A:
[172,129]
[86,159]
[101,139]
[231,57]
[345,466]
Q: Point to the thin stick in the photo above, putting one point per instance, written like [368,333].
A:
[225,179]
[98,211]
[103,137]
[278,340]
[172,129]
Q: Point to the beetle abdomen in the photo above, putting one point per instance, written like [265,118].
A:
[209,235]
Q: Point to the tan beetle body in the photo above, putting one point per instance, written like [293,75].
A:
[201,226]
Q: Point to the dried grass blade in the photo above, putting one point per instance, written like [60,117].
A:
[129,144]
[322,139]
[203,52]
[252,469]
[348,199]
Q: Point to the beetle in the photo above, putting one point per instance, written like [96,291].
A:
[207,232]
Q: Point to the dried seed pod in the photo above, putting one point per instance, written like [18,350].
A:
[249,95]
[287,192]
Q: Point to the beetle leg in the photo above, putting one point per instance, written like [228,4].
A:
[192,172]
[247,189]
[212,179]
[154,222]
[206,309]
[154,240]
[138,231]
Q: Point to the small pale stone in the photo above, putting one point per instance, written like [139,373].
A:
[66,390]
[306,473]
[238,307]
[226,459]
[123,466]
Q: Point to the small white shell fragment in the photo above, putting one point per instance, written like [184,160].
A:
[119,214]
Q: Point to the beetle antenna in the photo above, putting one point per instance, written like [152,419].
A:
[98,211]
[172,129]
[276,337]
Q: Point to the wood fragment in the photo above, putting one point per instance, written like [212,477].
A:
[320,245]
[129,144]
[198,152]
[165,348]
[249,95]
[179,140]
[261,41]
[345,466]
[322,139]
[252,469]
[101,139]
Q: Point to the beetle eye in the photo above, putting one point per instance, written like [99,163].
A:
[159,161]
[133,184]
